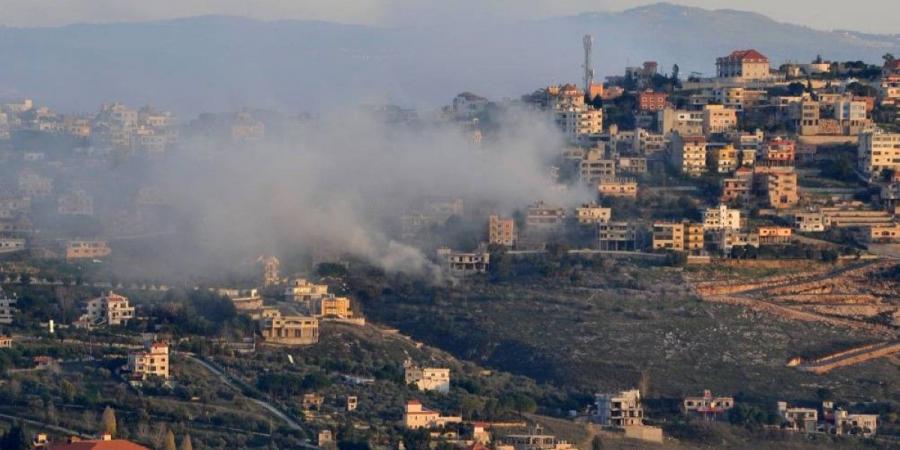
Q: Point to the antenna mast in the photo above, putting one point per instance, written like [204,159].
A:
[588,70]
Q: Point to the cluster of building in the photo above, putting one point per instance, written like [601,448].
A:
[827,419]
[305,305]
[831,420]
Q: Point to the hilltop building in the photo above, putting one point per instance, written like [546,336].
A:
[108,309]
[303,291]
[243,299]
[417,416]
[153,361]
[427,378]
[502,231]
[623,410]
[464,263]
[745,65]
[799,419]
[289,330]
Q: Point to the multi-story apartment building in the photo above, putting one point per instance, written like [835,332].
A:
[718,119]
[152,361]
[707,405]
[594,167]
[617,187]
[745,65]
[652,101]
[781,188]
[87,249]
[289,330]
[678,236]
[722,218]
[427,378]
[592,213]
[271,270]
[689,154]
[799,419]
[780,151]
[807,115]
[542,215]
[7,308]
[685,123]
[108,309]
[617,236]
[738,98]
[464,263]
[723,158]
[621,409]
[878,151]
[332,307]
[502,231]
[579,123]
[726,239]
[303,291]
[634,165]
[739,187]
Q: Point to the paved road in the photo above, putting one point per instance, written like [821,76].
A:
[44,425]
[232,383]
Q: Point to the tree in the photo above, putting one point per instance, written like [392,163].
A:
[170,441]
[15,439]
[186,443]
[888,59]
[109,421]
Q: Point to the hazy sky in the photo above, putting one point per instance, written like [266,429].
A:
[863,15]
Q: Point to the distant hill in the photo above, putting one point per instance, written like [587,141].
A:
[214,63]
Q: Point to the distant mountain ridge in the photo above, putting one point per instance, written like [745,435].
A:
[215,63]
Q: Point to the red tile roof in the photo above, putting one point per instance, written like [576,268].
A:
[748,55]
[115,444]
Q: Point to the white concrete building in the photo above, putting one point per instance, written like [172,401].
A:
[721,218]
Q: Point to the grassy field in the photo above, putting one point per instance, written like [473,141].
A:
[606,329]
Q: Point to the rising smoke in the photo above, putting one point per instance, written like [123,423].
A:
[334,184]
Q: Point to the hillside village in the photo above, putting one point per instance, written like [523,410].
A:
[764,201]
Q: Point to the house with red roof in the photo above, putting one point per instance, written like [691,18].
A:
[104,443]
[744,65]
